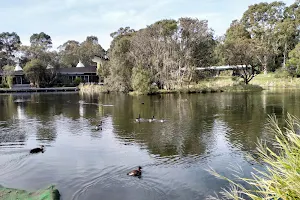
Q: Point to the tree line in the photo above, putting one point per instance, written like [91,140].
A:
[166,53]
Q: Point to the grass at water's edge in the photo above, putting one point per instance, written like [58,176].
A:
[280,178]
[269,81]
[92,89]
[215,84]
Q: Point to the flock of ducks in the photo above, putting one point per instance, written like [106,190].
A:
[136,172]
[139,119]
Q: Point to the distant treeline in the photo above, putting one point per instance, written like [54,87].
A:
[165,54]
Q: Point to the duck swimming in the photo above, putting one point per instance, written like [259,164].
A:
[99,126]
[138,119]
[136,172]
[152,119]
[162,120]
[37,150]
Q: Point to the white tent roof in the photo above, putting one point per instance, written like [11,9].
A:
[80,64]
[18,68]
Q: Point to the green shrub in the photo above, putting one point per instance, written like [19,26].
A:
[235,78]
[8,75]
[9,81]
[141,80]
[35,71]
[282,73]
[280,178]
[4,85]
[77,81]
[226,73]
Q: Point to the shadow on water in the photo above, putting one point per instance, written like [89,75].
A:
[201,130]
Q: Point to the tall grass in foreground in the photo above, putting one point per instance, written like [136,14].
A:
[280,178]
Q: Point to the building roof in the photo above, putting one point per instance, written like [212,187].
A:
[18,68]
[71,70]
[78,70]
[80,64]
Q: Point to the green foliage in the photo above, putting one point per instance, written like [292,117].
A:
[4,85]
[271,38]
[241,52]
[226,73]
[141,80]
[77,81]
[282,73]
[35,71]
[280,177]
[8,75]
[103,69]
[120,66]
[237,31]
[41,40]
[69,53]
[72,51]
[294,57]
[9,44]
[170,50]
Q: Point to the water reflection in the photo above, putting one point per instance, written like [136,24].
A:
[201,130]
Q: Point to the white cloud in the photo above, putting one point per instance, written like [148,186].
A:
[75,19]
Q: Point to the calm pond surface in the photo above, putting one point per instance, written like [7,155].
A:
[202,130]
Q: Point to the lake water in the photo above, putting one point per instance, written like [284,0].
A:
[201,131]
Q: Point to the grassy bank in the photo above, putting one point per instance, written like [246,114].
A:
[270,81]
[212,85]
[216,84]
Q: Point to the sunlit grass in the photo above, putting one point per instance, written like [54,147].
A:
[269,80]
[92,89]
[280,178]
[243,88]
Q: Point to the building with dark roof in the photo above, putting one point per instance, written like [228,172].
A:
[88,74]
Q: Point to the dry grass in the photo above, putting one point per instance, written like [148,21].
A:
[269,81]
[92,89]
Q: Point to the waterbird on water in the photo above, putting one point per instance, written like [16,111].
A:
[136,172]
[138,119]
[162,120]
[99,126]
[152,119]
[38,150]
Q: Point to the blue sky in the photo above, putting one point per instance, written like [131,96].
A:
[76,19]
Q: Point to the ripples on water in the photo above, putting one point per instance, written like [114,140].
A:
[216,130]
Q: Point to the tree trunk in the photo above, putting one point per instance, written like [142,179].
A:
[265,63]
[265,69]
[284,55]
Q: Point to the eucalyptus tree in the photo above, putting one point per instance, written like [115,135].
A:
[9,45]
[120,62]
[260,21]
[240,50]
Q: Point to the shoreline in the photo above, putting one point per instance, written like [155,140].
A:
[35,90]
[210,85]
